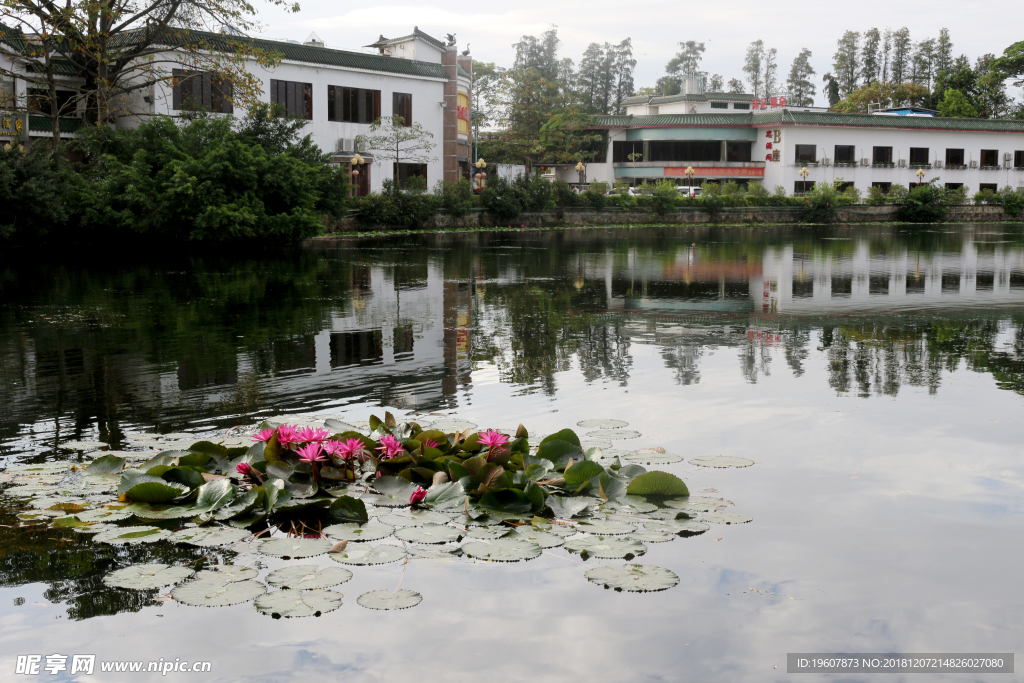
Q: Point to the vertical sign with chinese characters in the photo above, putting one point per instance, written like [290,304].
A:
[773,147]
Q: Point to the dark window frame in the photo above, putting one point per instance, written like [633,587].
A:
[352,105]
[989,155]
[1018,159]
[881,155]
[955,157]
[403,171]
[840,157]
[741,105]
[401,105]
[200,91]
[801,155]
[719,105]
[919,156]
[294,96]
[802,186]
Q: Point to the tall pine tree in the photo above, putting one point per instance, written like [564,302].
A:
[801,90]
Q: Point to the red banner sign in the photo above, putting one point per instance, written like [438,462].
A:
[715,172]
[463,113]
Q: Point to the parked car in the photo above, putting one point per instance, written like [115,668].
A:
[690,191]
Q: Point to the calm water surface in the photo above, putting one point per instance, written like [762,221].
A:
[874,375]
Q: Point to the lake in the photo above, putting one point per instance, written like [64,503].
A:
[874,374]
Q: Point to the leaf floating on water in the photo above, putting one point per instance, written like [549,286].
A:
[542,538]
[104,515]
[214,593]
[94,528]
[487,533]
[292,602]
[82,445]
[565,508]
[226,573]
[649,456]
[657,484]
[652,536]
[394,491]
[130,535]
[727,518]
[209,536]
[721,461]
[614,434]
[606,527]
[371,531]
[685,527]
[635,578]
[403,518]
[503,550]
[698,504]
[449,425]
[295,547]
[147,576]
[308,576]
[363,554]
[400,599]
[602,424]
[429,533]
[608,548]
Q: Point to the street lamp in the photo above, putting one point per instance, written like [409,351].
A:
[481,176]
[356,162]
[581,169]
[803,174]
[920,175]
[689,173]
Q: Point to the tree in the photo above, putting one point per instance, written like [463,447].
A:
[886,64]
[716,83]
[486,78]
[870,56]
[736,86]
[992,99]
[943,52]
[588,80]
[770,79]
[753,66]
[1011,64]
[624,63]
[831,90]
[566,137]
[846,64]
[799,82]
[954,103]
[902,49]
[687,59]
[392,140]
[881,94]
[924,55]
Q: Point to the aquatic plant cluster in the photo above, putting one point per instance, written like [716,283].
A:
[300,492]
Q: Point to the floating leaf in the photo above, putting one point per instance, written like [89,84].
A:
[82,445]
[339,426]
[348,509]
[581,472]
[394,491]
[147,576]
[146,488]
[698,504]
[652,536]
[682,527]
[650,456]
[131,535]
[403,518]
[208,536]
[363,554]
[606,527]
[292,602]
[307,576]
[449,425]
[429,533]
[94,528]
[727,518]
[371,531]
[721,461]
[542,538]
[502,550]
[400,599]
[560,452]
[633,578]
[108,464]
[295,547]
[215,593]
[602,424]
[608,548]
[226,573]
[614,434]
[433,552]
[487,533]
[657,484]
[445,495]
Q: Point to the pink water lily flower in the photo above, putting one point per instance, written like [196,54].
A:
[389,447]
[430,443]
[345,450]
[263,435]
[286,435]
[246,470]
[492,439]
[418,495]
[310,434]
[311,453]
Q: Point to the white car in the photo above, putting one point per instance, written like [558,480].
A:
[690,191]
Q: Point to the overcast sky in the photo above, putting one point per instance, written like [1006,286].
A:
[656,26]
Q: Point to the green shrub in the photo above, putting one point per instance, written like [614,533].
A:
[504,200]
[621,187]
[456,198]
[536,192]
[400,210]
[594,199]
[877,196]
[663,197]
[757,192]
[40,191]
[821,203]
[600,186]
[563,194]
[897,193]
[1012,201]
[926,203]
[986,196]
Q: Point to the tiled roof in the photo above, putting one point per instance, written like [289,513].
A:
[806,118]
[703,97]
[673,121]
[42,123]
[416,33]
[462,72]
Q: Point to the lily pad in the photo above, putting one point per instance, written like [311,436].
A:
[487,533]
[363,554]
[433,552]
[295,547]
[652,536]
[82,445]
[130,535]
[39,468]
[542,538]
[400,599]
[635,578]
[429,533]
[450,424]
[698,504]
[503,550]
[208,536]
[292,602]
[394,491]
[684,527]
[608,548]
[403,518]
[227,573]
[614,434]
[214,593]
[371,531]
[606,527]
[306,576]
[657,484]
[650,456]
[602,424]
[147,576]
[566,508]
[94,528]
[721,461]
[587,444]
[727,518]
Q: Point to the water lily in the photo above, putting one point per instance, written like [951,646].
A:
[430,443]
[286,435]
[309,434]
[492,439]
[344,450]
[418,495]
[264,435]
[247,470]
[389,447]
[311,453]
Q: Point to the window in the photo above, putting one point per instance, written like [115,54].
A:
[990,157]
[353,105]
[295,98]
[741,105]
[806,154]
[954,157]
[954,186]
[684,150]
[737,151]
[845,154]
[882,155]
[885,186]
[39,100]
[199,90]
[6,91]
[919,156]
[403,172]
[401,105]
[801,186]
[843,185]
[622,149]
[988,186]
[719,105]
[1018,159]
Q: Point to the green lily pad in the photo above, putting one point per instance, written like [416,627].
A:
[614,434]
[650,456]
[657,484]
[214,593]
[295,547]
[363,554]
[566,508]
[429,533]
[107,464]
[292,602]
[39,468]
[400,599]
[602,424]
[82,445]
[307,576]
[433,552]
[403,518]
[487,533]
[452,424]
[721,461]
[635,578]
[446,495]
[147,576]
[652,536]
[227,573]
[542,538]
[208,536]
[371,531]
[698,504]
[130,535]
[94,528]
[726,518]
[503,550]
[606,527]
[608,548]
[683,527]
[146,488]
[394,491]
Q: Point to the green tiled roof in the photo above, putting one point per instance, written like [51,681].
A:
[809,118]
[673,121]
[703,97]
[42,123]
[462,72]
[61,67]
